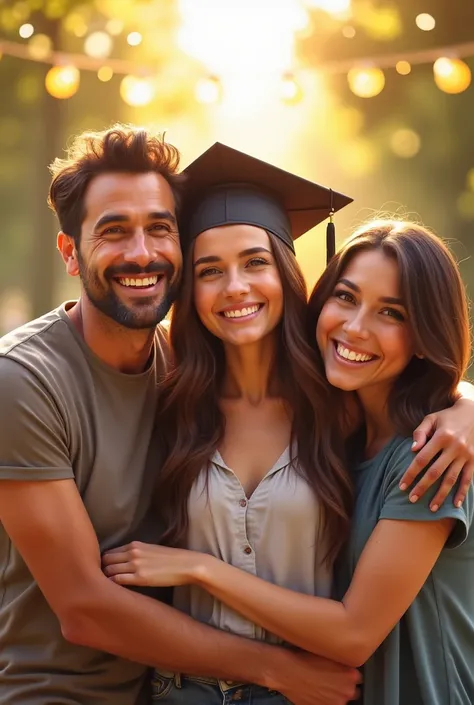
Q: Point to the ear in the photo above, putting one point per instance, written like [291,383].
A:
[67,248]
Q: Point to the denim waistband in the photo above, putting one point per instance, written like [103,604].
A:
[178,677]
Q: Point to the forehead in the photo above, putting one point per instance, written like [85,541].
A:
[375,270]
[128,194]
[228,241]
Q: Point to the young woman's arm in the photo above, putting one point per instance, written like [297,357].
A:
[393,567]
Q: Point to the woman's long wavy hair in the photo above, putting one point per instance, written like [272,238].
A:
[433,294]
[190,424]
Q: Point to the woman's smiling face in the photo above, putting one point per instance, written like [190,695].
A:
[362,331]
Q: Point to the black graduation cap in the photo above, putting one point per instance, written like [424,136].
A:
[225,186]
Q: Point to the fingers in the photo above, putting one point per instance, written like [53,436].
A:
[125,579]
[449,480]
[466,479]
[111,558]
[118,568]
[420,461]
[432,475]
[424,431]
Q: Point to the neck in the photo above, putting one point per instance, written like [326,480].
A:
[123,349]
[248,370]
[379,426]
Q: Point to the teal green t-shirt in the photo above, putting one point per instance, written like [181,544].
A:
[428,658]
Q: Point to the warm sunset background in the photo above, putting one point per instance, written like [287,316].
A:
[369,97]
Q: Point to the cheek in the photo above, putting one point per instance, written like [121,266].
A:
[204,298]
[398,345]
[329,319]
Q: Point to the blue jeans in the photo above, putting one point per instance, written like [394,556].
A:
[169,689]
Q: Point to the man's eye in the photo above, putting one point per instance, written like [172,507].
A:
[161,227]
[113,230]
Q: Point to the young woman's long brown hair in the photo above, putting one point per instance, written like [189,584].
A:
[433,294]
[190,424]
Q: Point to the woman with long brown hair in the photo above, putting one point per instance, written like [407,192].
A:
[247,390]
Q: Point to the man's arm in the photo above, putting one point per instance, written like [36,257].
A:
[48,523]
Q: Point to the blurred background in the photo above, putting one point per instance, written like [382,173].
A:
[369,97]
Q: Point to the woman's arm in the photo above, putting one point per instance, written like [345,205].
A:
[393,567]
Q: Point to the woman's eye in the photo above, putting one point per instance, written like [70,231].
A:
[256,262]
[393,313]
[344,296]
[209,272]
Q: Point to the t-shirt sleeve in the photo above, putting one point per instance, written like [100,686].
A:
[396,504]
[33,437]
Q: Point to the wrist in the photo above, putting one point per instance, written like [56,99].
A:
[273,663]
[201,571]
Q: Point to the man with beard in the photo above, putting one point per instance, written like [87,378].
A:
[78,395]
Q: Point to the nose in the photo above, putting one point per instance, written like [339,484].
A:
[356,325]
[236,284]
[140,249]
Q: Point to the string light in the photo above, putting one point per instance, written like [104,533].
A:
[366,83]
[348,32]
[105,73]
[405,143]
[425,22]
[26,31]
[39,47]
[98,44]
[62,81]
[208,90]
[290,90]
[134,39]
[136,91]
[451,75]
[403,68]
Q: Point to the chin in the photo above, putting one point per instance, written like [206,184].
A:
[342,382]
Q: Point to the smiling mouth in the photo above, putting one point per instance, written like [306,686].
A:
[352,356]
[241,313]
[139,283]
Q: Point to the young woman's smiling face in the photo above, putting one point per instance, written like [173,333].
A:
[237,287]
[362,331]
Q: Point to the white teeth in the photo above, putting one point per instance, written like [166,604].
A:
[139,283]
[239,313]
[351,355]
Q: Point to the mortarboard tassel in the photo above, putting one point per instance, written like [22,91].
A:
[330,235]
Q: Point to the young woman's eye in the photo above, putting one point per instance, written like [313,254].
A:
[257,262]
[344,295]
[393,313]
[208,272]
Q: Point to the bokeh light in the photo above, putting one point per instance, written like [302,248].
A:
[114,27]
[425,22]
[40,47]
[405,143]
[75,24]
[470,179]
[332,7]
[359,158]
[136,91]
[290,90]
[366,82]
[348,32]
[403,68]
[134,39]
[208,90]
[26,31]
[465,205]
[105,73]
[98,45]
[382,23]
[62,81]
[451,75]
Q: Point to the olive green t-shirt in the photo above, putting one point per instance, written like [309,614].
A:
[428,658]
[66,414]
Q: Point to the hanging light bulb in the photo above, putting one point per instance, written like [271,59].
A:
[366,83]
[208,90]
[98,45]
[451,75]
[403,68]
[105,73]
[39,47]
[62,81]
[137,91]
[290,90]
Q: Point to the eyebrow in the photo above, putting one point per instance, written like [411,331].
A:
[120,218]
[212,259]
[383,299]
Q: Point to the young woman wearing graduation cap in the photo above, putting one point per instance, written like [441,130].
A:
[251,431]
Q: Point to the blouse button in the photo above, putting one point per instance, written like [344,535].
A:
[247,550]
[243,502]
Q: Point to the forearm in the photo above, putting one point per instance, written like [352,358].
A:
[144,630]
[321,626]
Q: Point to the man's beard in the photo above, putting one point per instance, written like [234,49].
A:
[144,314]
